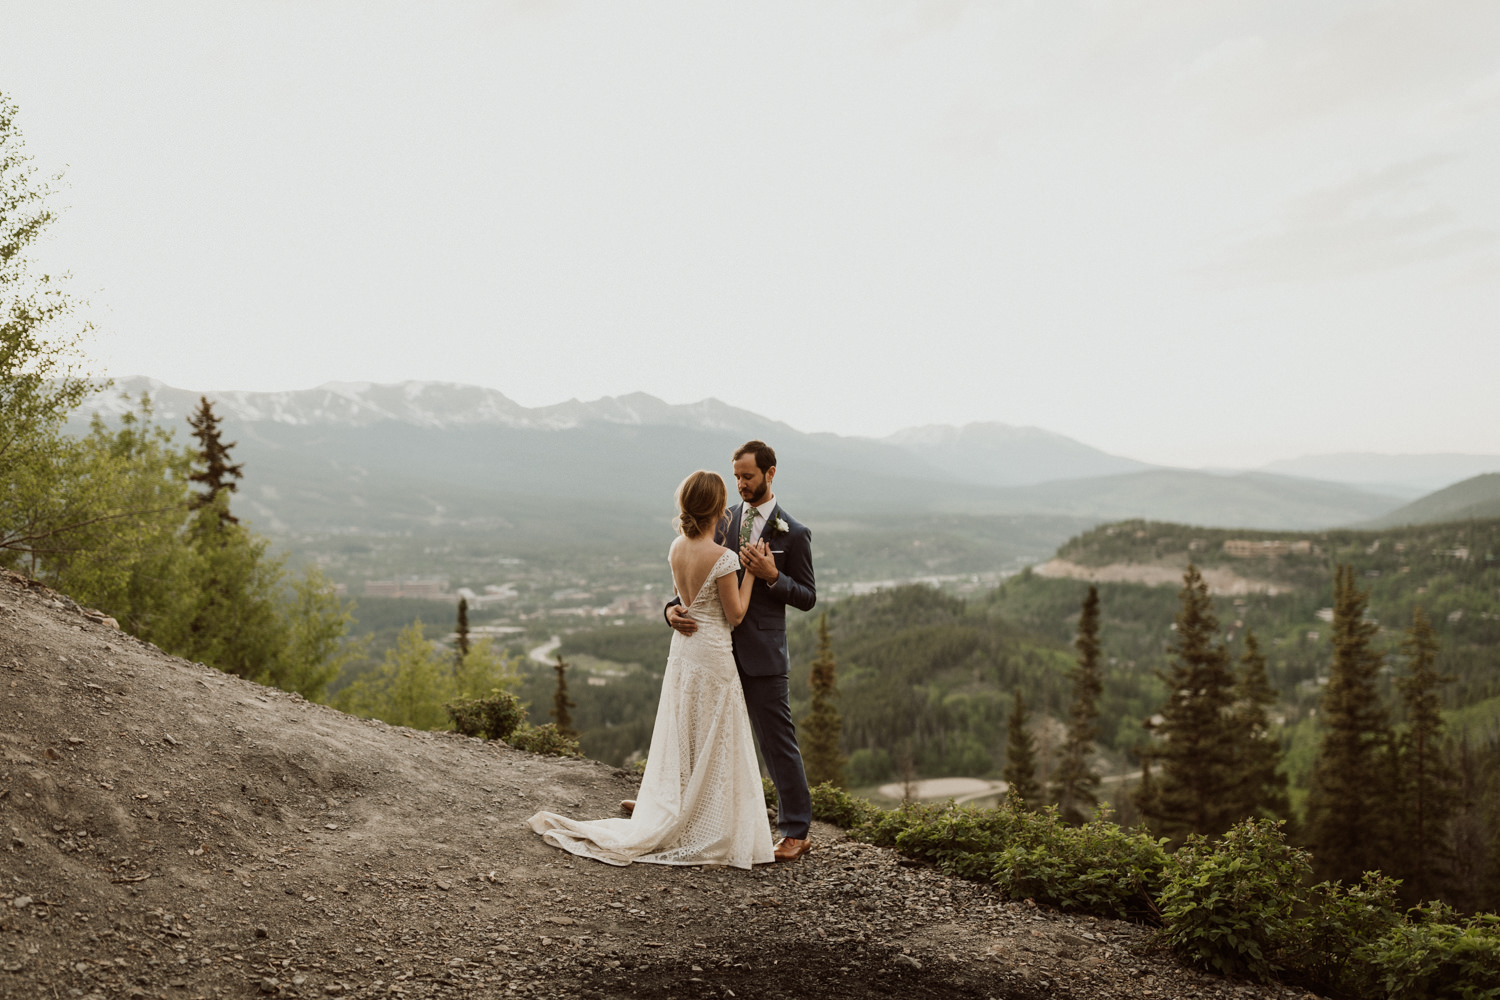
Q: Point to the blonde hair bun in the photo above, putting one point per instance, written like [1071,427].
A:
[700,503]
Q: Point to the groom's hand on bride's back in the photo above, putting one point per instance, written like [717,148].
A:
[681,620]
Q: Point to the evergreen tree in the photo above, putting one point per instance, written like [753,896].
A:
[218,474]
[562,704]
[822,729]
[1194,741]
[1020,757]
[1351,794]
[1428,780]
[1260,788]
[463,634]
[1075,785]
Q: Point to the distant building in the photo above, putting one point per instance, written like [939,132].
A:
[429,589]
[1244,548]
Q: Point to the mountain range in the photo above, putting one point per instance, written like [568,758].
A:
[346,456]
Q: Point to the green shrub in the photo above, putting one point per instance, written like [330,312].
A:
[544,739]
[1097,868]
[1437,955]
[494,717]
[768,789]
[884,829]
[836,806]
[961,840]
[1341,922]
[1227,904]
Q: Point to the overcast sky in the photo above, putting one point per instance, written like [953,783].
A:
[1189,232]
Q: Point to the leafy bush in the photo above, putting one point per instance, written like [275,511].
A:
[768,789]
[1340,924]
[495,717]
[1437,955]
[834,805]
[544,739]
[1227,905]
[1099,868]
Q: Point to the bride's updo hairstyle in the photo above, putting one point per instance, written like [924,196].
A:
[700,503]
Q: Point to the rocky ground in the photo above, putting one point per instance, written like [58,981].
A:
[173,832]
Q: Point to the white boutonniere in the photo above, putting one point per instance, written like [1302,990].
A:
[782,527]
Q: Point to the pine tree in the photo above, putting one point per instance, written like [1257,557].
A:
[823,728]
[1349,801]
[1261,786]
[1428,780]
[1194,741]
[1020,757]
[217,474]
[561,703]
[1075,785]
[463,634]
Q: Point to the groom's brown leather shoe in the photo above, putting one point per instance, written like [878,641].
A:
[628,805]
[790,848]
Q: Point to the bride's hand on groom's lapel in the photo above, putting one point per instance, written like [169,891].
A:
[759,561]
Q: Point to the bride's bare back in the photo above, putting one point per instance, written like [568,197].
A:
[692,560]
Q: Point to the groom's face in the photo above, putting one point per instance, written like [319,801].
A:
[754,485]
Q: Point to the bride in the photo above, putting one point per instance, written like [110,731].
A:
[701,801]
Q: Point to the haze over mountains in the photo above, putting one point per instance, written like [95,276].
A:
[359,455]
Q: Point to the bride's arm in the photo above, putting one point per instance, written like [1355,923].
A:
[735,598]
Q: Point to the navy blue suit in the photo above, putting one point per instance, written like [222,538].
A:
[760,653]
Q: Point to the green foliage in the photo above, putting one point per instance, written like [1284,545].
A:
[1259,786]
[1074,787]
[484,668]
[822,727]
[1341,923]
[42,496]
[545,739]
[1194,746]
[492,717]
[768,792]
[1352,791]
[1438,955]
[1228,904]
[832,804]
[1236,905]
[1427,780]
[562,705]
[1099,867]
[869,766]
[138,569]
[645,645]
[926,678]
[1020,757]
[409,689]
[217,474]
[313,626]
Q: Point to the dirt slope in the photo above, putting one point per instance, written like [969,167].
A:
[173,832]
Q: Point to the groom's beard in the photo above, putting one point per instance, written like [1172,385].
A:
[758,497]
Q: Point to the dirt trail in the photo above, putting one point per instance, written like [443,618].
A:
[170,831]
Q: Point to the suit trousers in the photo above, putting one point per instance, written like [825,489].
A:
[766,698]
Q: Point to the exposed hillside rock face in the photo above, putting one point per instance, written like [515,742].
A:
[173,832]
[1219,579]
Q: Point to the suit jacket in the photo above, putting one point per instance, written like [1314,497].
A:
[760,638]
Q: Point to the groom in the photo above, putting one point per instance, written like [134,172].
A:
[777,550]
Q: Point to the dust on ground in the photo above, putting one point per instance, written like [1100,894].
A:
[173,832]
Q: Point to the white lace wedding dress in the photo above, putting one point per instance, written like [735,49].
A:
[701,801]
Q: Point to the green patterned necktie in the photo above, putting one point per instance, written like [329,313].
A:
[747,524]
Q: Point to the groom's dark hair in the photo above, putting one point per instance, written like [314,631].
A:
[764,456]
